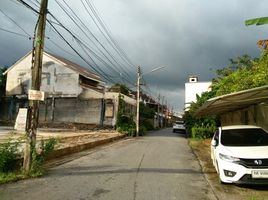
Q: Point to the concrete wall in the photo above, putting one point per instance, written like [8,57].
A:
[113,98]
[71,110]
[253,115]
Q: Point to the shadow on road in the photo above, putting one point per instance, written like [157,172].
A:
[254,187]
[93,170]
[166,133]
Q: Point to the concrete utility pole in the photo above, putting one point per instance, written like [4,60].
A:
[158,117]
[33,109]
[138,102]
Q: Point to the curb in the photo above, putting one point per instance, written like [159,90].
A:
[57,153]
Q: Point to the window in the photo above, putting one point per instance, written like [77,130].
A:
[244,137]
[48,78]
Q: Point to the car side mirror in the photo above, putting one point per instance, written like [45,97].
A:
[214,143]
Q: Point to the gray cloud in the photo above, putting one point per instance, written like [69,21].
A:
[187,36]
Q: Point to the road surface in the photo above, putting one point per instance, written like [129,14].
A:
[158,166]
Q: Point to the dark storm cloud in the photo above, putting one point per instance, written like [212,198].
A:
[187,36]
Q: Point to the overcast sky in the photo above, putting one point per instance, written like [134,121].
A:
[188,37]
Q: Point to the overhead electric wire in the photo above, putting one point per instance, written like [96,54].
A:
[15,33]
[54,43]
[110,41]
[78,42]
[97,56]
[15,23]
[126,80]
[28,6]
[104,26]
[96,70]
[36,4]
[96,24]
[80,27]
[92,35]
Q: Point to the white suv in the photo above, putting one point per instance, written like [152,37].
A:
[240,154]
[179,126]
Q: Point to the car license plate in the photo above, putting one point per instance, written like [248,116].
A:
[260,174]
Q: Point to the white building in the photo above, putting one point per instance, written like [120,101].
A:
[192,88]
[60,78]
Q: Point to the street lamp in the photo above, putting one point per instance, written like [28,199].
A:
[139,75]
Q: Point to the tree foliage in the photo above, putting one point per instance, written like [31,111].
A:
[242,73]
[146,111]
[125,118]
[121,88]
[246,74]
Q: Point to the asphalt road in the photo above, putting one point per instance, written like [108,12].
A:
[158,166]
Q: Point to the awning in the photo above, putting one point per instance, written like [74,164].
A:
[234,101]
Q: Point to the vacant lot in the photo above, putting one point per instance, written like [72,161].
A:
[201,149]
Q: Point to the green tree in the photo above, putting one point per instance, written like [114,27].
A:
[123,89]
[242,73]
[247,73]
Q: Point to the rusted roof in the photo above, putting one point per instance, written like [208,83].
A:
[234,101]
[81,70]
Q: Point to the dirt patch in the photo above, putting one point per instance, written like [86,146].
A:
[72,126]
[201,149]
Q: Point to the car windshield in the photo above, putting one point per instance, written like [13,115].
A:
[178,123]
[244,137]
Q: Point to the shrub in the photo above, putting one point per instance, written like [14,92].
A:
[147,123]
[46,147]
[128,129]
[8,156]
[203,132]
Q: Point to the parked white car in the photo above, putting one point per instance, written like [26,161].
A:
[240,154]
[179,126]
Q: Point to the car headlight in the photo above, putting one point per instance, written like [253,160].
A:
[228,158]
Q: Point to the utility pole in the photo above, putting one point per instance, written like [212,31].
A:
[162,112]
[33,108]
[138,102]
[158,117]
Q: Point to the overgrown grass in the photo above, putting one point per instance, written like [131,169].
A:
[203,132]
[256,198]
[11,162]
[8,177]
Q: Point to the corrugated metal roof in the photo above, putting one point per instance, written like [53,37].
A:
[234,101]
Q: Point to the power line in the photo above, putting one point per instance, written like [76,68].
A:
[15,23]
[54,43]
[94,68]
[15,33]
[28,6]
[109,39]
[22,2]
[115,43]
[37,4]
[92,35]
